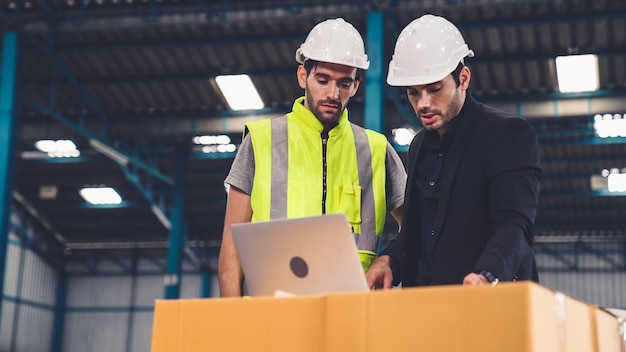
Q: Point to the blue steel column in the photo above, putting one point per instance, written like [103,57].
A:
[59,312]
[177,218]
[206,284]
[374,75]
[9,118]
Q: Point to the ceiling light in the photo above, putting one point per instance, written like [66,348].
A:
[577,73]
[221,148]
[226,148]
[100,195]
[45,145]
[617,182]
[610,125]
[211,140]
[239,92]
[612,180]
[403,136]
[62,148]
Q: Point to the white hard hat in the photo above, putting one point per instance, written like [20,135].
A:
[335,41]
[427,50]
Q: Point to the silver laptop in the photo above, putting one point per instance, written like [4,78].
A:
[301,256]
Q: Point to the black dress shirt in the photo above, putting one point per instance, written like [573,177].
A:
[427,191]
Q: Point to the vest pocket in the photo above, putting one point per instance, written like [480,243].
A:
[348,201]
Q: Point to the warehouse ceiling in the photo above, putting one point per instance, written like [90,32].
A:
[137,76]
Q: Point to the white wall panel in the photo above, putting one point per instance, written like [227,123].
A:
[95,332]
[27,326]
[142,332]
[599,288]
[39,282]
[34,330]
[191,286]
[11,272]
[149,288]
[592,272]
[215,286]
[6,322]
[103,291]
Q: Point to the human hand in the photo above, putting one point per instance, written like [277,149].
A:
[474,279]
[379,274]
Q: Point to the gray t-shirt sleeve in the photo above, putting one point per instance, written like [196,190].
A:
[396,179]
[241,173]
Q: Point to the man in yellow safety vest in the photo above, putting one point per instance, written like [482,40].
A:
[314,160]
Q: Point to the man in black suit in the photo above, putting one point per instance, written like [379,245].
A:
[474,172]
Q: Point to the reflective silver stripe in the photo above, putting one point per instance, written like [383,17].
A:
[367,239]
[280,155]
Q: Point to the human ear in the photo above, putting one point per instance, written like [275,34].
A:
[464,77]
[356,83]
[301,76]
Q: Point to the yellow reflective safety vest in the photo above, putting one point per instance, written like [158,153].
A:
[289,173]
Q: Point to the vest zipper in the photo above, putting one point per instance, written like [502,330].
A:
[324,142]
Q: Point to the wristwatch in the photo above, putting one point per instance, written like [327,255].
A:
[489,276]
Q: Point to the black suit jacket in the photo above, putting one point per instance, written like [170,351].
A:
[487,206]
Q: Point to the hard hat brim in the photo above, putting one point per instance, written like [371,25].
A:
[395,78]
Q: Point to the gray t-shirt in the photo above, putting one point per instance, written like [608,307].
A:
[241,173]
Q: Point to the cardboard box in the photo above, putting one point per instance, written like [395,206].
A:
[608,330]
[520,316]
[510,317]
[238,324]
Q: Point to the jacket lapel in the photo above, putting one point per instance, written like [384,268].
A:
[462,136]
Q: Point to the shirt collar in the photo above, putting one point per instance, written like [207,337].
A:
[432,139]
[307,118]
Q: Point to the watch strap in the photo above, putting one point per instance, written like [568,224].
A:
[489,276]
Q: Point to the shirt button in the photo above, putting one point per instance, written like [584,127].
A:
[440,154]
[432,233]
[432,183]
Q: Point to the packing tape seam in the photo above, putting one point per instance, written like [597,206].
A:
[559,299]
[622,334]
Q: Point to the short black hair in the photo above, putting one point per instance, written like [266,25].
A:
[456,74]
[311,64]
